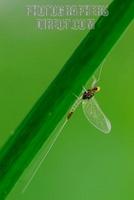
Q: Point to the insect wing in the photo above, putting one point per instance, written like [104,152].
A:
[95,115]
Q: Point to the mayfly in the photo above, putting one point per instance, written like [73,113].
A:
[91,110]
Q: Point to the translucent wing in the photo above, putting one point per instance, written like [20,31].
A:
[95,115]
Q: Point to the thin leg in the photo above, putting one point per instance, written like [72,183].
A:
[94,82]
[84,89]
[77,97]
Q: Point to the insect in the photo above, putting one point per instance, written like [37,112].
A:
[91,110]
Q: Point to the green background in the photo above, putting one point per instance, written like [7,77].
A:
[83,164]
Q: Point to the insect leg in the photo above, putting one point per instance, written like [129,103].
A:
[76,96]
[84,89]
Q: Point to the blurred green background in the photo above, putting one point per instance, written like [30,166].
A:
[83,164]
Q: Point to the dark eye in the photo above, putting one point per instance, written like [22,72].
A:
[95,88]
